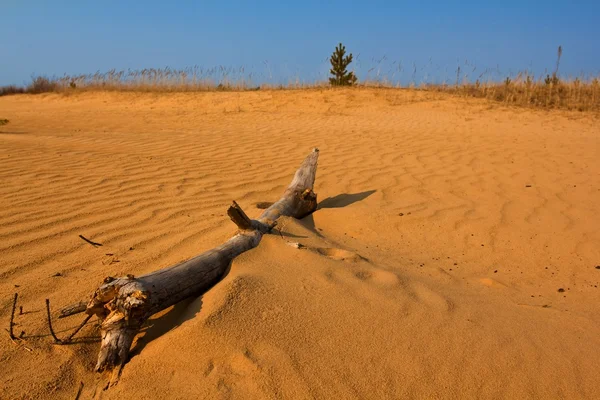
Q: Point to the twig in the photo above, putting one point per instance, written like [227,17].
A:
[68,339]
[57,340]
[79,390]
[12,317]
[90,242]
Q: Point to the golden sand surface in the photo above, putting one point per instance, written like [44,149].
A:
[453,253]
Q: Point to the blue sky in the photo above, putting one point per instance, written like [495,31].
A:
[280,40]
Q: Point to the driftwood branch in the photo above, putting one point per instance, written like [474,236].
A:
[124,304]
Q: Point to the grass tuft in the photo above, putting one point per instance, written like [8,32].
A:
[11,89]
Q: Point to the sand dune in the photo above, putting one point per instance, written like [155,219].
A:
[431,269]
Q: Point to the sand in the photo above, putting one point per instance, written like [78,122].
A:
[432,268]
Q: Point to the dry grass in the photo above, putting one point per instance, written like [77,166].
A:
[550,92]
[574,94]
[11,89]
[160,80]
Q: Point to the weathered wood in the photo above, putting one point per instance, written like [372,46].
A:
[123,304]
[239,217]
[73,309]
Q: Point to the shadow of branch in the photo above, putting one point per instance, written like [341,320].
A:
[344,199]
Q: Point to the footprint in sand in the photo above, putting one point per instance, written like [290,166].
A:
[432,299]
[338,254]
[373,274]
[378,276]
[331,252]
[491,283]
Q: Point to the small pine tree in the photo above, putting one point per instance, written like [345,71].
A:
[554,80]
[339,63]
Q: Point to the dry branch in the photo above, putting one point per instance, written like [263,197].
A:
[239,217]
[124,304]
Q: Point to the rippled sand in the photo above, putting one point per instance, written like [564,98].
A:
[431,269]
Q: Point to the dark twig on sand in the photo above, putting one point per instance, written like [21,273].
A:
[90,242]
[68,339]
[16,340]
[12,317]
[79,391]
[57,340]
[11,334]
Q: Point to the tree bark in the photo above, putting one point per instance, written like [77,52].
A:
[124,304]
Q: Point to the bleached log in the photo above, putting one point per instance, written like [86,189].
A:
[124,304]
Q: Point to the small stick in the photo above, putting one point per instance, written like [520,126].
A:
[12,317]
[20,310]
[68,339]
[90,242]
[57,340]
[79,390]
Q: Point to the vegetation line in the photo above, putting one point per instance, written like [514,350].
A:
[522,89]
